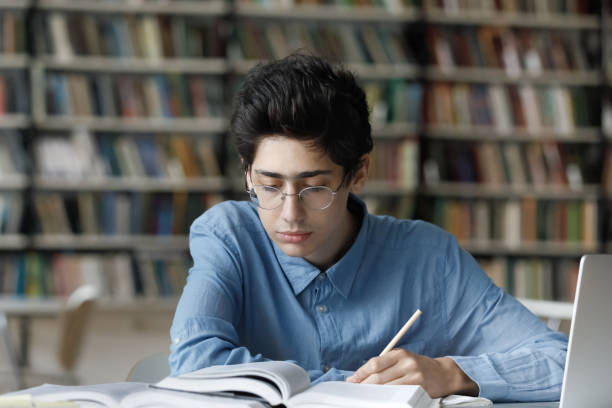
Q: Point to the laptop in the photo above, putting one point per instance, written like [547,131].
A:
[587,381]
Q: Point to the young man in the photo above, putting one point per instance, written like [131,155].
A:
[305,273]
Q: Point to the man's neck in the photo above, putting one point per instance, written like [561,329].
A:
[354,218]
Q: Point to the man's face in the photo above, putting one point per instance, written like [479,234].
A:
[290,166]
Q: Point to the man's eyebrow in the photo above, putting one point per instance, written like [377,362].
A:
[302,175]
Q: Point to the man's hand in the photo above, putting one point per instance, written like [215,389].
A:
[438,376]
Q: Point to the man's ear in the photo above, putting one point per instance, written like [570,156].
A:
[361,175]
[247,178]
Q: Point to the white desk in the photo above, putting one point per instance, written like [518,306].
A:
[529,405]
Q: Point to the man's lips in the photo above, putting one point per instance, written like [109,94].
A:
[293,237]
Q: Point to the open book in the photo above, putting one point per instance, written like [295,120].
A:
[283,383]
[118,395]
[250,385]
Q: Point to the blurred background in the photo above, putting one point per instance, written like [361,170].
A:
[491,119]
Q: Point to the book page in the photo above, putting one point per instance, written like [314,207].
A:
[343,394]
[106,395]
[158,398]
[254,386]
[276,381]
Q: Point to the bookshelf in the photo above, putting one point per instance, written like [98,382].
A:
[488,115]
[516,174]
[126,121]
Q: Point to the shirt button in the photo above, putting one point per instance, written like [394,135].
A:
[326,369]
[322,308]
[321,276]
[176,340]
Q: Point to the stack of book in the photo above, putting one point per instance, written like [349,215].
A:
[525,224]
[532,278]
[117,276]
[66,36]
[133,96]
[87,157]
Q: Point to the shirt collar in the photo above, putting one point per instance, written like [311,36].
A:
[301,273]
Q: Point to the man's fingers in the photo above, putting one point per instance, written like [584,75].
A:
[374,365]
[386,376]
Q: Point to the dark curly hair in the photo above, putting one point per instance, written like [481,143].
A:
[305,98]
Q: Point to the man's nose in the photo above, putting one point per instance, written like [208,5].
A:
[292,208]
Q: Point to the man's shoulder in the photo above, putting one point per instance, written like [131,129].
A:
[402,233]
[228,216]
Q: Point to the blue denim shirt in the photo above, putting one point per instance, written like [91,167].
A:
[245,300]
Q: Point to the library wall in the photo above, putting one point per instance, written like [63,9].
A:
[491,119]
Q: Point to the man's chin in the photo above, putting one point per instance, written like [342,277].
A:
[297,251]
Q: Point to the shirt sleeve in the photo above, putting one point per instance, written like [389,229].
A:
[497,342]
[203,331]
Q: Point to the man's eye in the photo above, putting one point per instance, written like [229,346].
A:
[269,189]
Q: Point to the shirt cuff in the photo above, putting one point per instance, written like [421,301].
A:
[481,370]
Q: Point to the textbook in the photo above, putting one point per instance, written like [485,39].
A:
[280,383]
[118,395]
[284,383]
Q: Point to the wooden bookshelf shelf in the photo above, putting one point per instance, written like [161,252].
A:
[528,20]
[505,191]
[13,182]
[14,121]
[15,4]
[110,242]
[13,242]
[14,61]
[490,133]
[364,71]
[329,12]
[200,8]
[500,76]
[213,66]
[135,184]
[395,130]
[381,187]
[152,125]
[539,249]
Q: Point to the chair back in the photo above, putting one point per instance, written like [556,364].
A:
[73,324]
[150,369]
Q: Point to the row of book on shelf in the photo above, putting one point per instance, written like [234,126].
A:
[522,222]
[391,5]
[395,162]
[12,27]
[505,108]
[118,213]
[519,164]
[125,276]
[541,8]
[534,278]
[11,212]
[66,35]
[82,156]
[169,95]
[13,159]
[13,92]
[393,101]
[119,276]
[364,43]
[515,50]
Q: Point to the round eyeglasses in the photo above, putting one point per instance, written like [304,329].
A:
[314,198]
